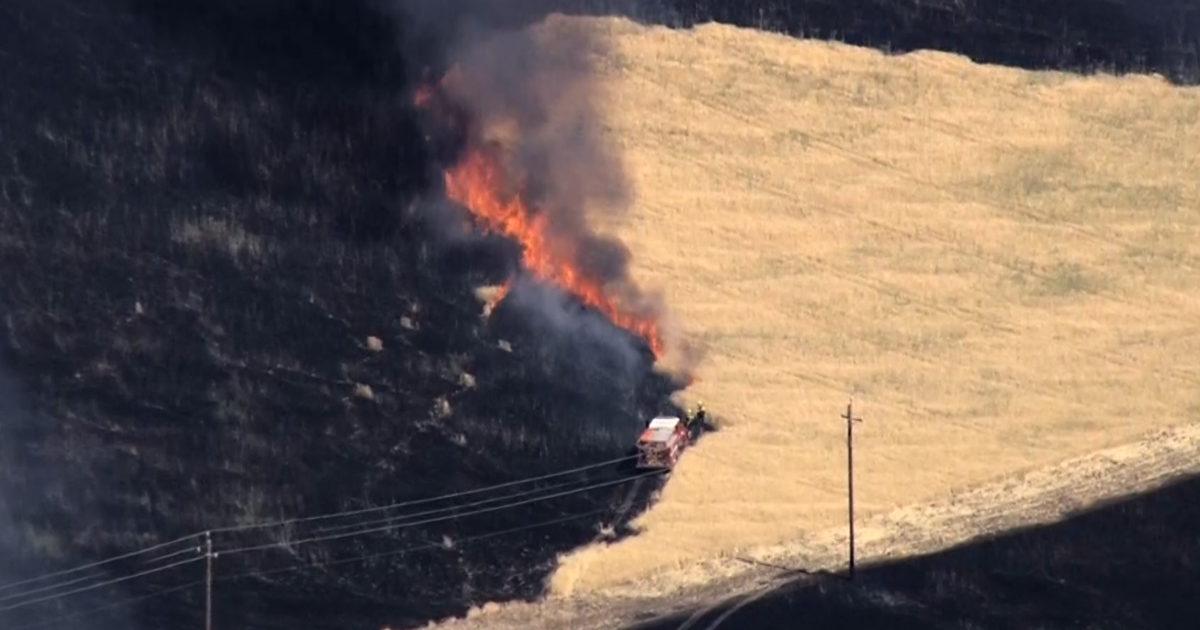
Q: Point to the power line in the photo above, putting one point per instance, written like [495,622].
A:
[439,519]
[124,602]
[93,565]
[403,517]
[101,584]
[249,526]
[86,578]
[421,547]
[339,561]
[851,420]
[382,508]
[319,539]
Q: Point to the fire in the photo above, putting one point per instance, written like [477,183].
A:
[479,183]
[423,96]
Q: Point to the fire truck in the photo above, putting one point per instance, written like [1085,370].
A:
[660,444]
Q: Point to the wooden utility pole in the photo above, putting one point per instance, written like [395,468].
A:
[850,421]
[208,580]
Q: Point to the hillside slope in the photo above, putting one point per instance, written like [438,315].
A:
[1126,564]
[220,297]
[732,592]
[223,302]
[1001,263]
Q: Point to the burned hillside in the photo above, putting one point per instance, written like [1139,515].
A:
[230,297]
[1083,36]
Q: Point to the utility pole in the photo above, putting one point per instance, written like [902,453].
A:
[850,421]
[208,580]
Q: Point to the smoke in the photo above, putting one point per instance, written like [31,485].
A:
[21,542]
[535,99]
[571,330]
[30,547]
[530,98]
[539,96]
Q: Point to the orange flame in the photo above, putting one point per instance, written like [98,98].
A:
[422,98]
[478,183]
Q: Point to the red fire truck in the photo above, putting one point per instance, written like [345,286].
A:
[661,442]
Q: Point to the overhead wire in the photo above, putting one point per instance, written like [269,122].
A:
[612,482]
[247,574]
[385,528]
[102,584]
[52,587]
[421,547]
[266,524]
[86,567]
[391,506]
[124,602]
[402,517]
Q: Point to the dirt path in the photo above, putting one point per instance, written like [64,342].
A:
[1020,500]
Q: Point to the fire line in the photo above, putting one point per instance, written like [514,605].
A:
[478,183]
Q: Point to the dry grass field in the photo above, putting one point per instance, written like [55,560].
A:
[1005,265]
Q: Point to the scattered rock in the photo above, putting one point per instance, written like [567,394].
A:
[364,391]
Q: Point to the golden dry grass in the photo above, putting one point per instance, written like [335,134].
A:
[1002,263]
[1008,503]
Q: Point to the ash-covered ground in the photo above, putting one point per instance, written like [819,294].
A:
[207,208]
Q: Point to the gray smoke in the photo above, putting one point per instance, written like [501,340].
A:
[565,325]
[531,96]
[539,96]
[28,551]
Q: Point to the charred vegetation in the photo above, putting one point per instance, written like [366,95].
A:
[1082,36]
[207,209]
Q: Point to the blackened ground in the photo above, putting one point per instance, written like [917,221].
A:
[1131,564]
[206,207]
[1140,36]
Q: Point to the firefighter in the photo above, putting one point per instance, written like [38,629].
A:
[701,414]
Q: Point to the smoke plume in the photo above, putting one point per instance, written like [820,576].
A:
[522,109]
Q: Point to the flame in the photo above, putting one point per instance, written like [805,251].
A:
[422,98]
[478,182]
